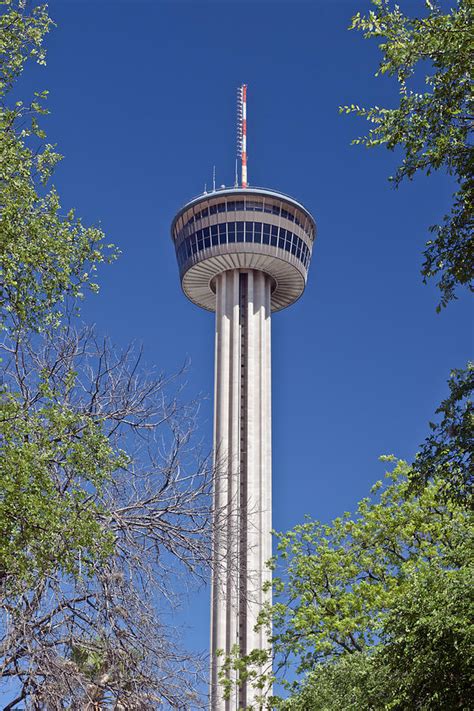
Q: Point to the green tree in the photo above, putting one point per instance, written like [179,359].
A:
[447,452]
[45,258]
[103,497]
[45,254]
[433,126]
[44,522]
[375,609]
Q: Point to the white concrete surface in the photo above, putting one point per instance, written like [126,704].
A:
[242,491]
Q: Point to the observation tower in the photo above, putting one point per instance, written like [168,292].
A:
[244,253]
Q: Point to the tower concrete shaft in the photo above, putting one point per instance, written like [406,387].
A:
[242,490]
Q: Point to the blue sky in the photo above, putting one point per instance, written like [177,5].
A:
[142,96]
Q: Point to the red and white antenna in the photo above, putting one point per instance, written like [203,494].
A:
[242,130]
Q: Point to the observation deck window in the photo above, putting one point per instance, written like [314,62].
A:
[254,205]
[222,233]
[248,231]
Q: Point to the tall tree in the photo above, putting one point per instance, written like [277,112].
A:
[104,497]
[432,126]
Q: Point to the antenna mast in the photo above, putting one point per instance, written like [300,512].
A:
[242,130]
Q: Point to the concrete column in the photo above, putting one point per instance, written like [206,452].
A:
[242,486]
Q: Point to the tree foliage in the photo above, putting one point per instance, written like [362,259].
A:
[45,254]
[447,452]
[105,503]
[432,127]
[105,517]
[374,611]
[44,522]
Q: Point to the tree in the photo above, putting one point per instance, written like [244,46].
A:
[447,452]
[432,127]
[374,609]
[45,254]
[105,505]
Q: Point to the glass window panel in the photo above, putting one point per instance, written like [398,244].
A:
[221,207]
[257,235]
[206,232]
[274,230]
[293,248]
[205,212]
[274,240]
[231,232]
[248,231]
[199,234]
[193,246]
[215,239]
[213,230]
[222,230]
[276,209]
[231,205]
[284,213]
[281,242]
[239,205]
[213,209]
[266,239]
[266,229]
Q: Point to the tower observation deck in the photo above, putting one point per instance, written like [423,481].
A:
[243,253]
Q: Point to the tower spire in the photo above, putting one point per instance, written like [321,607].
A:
[242,131]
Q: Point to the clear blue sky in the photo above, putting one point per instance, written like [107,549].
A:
[142,96]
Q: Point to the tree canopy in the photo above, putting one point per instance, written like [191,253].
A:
[46,254]
[375,607]
[432,124]
[104,494]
